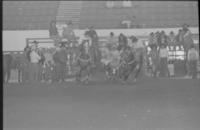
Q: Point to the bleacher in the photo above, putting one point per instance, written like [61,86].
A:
[147,14]
[36,15]
[69,10]
[28,15]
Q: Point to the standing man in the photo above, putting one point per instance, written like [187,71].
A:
[123,41]
[163,53]
[34,67]
[187,38]
[139,49]
[193,57]
[94,44]
[155,60]
[60,58]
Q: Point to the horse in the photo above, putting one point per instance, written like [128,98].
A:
[128,63]
[20,63]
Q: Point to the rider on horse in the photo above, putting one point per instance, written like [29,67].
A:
[127,63]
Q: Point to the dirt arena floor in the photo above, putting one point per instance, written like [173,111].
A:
[149,104]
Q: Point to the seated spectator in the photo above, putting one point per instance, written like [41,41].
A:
[53,32]
[68,33]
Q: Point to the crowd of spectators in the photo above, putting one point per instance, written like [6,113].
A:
[159,53]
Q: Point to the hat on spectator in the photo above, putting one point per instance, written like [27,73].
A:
[133,38]
[185,25]
[35,42]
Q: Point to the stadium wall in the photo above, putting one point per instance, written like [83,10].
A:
[16,40]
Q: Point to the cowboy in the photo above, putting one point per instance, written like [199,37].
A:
[34,67]
[84,62]
[60,59]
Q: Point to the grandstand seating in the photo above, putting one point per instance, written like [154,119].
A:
[146,14]
[28,15]
[69,10]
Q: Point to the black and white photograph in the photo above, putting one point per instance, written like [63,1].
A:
[100,65]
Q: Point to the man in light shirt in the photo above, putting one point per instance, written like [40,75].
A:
[34,67]
[163,54]
[192,59]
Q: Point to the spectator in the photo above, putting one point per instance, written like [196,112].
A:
[94,45]
[179,37]
[53,32]
[111,42]
[163,38]
[49,64]
[92,34]
[163,54]
[139,50]
[154,55]
[23,68]
[158,38]
[40,52]
[171,39]
[60,58]
[34,68]
[27,51]
[193,57]
[123,41]
[68,33]
[151,39]
[187,38]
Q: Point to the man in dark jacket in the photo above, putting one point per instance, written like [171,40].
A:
[94,46]
[123,41]
[60,58]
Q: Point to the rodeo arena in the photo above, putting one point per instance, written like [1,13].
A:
[101,65]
